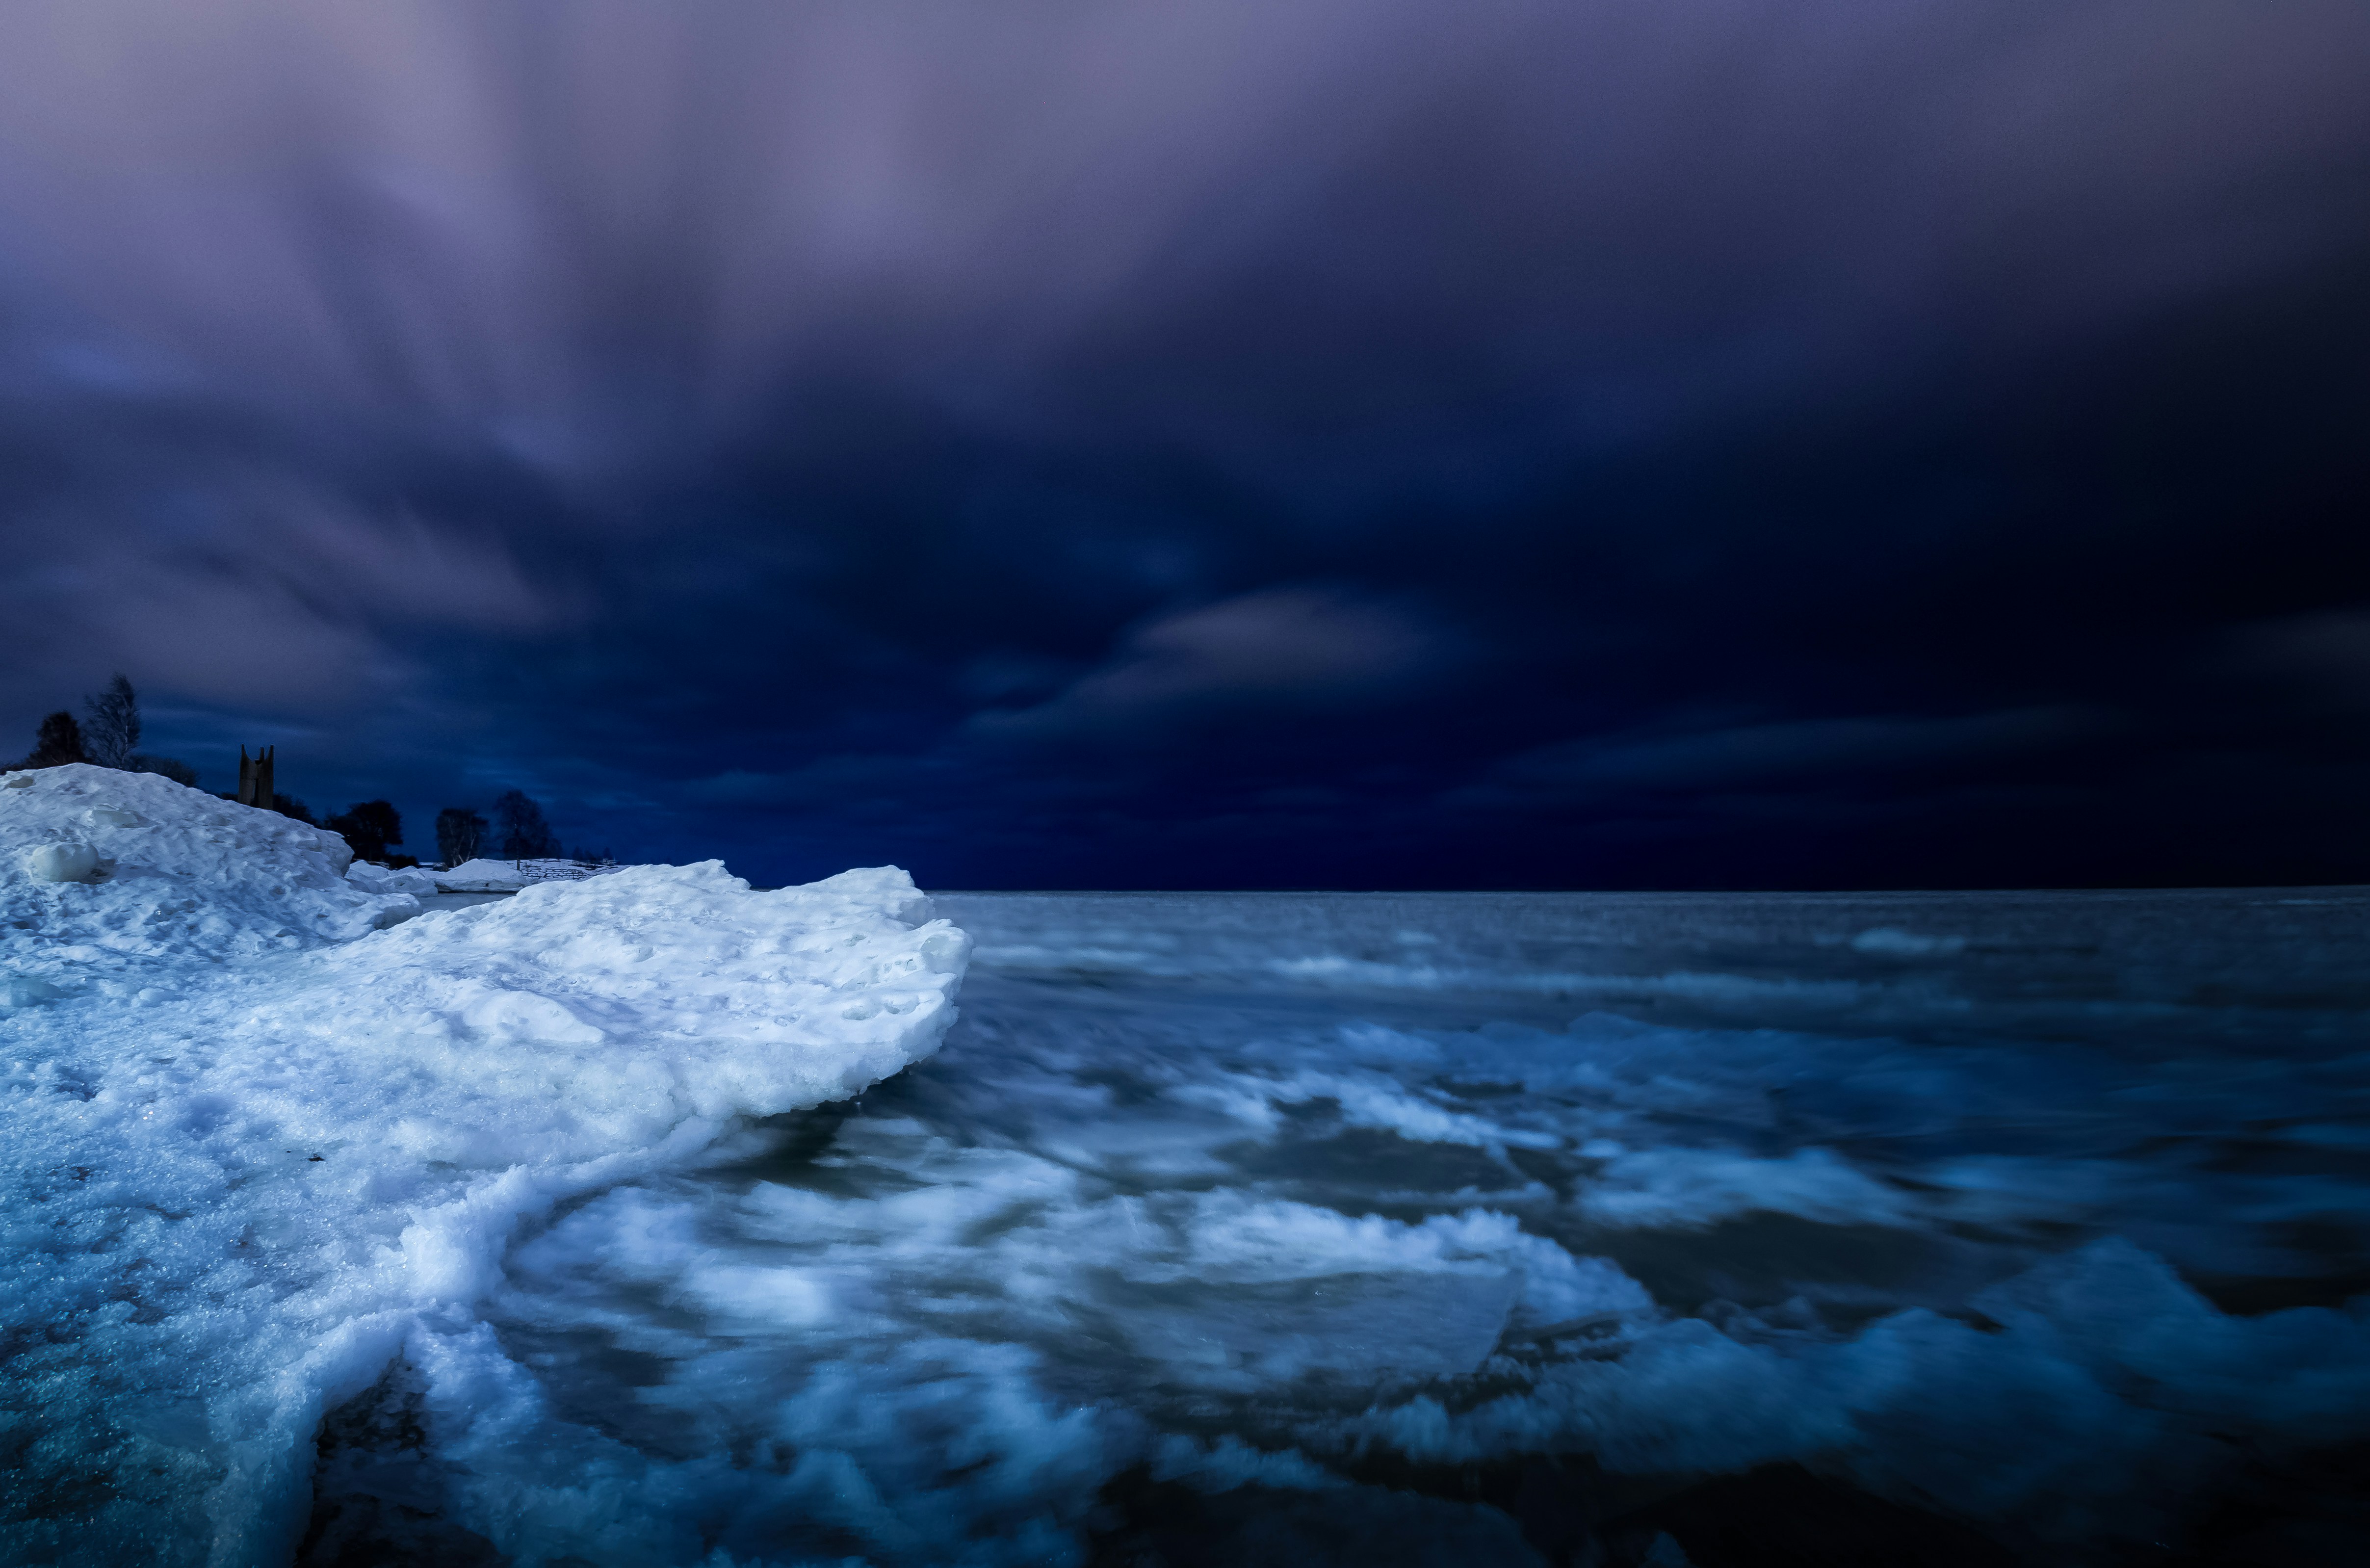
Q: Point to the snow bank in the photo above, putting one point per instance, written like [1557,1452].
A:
[111,882]
[383,878]
[230,1201]
[741,1003]
[509,876]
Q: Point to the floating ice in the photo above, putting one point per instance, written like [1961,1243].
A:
[2050,1231]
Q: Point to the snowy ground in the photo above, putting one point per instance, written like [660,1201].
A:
[270,1130]
[1283,1229]
[505,876]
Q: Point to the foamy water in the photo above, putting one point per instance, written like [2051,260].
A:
[1471,1228]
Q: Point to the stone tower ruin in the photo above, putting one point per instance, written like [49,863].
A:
[255,778]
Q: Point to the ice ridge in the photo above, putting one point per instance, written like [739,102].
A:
[112,880]
[254,1144]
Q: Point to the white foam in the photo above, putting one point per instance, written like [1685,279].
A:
[1230,1463]
[1892,942]
[2098,1384]
[1667,1188]
[865,1332]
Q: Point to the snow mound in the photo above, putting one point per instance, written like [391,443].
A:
[230,1203]
[491,1036]
[385,879]
[509,876]
[110,881]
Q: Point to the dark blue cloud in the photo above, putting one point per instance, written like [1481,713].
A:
[1303,444]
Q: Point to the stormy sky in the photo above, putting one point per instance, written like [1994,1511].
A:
[1251,443]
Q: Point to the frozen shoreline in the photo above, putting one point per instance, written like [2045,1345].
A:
[239,1190]
[633,1220]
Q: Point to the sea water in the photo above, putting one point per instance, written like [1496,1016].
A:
[1474,1229]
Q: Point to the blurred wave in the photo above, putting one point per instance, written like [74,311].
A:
[1561,1228]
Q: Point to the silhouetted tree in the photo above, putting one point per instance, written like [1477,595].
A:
[107,740]
[110,728]
[369,826]
[460,834]
[520,826]
[57,743]
[289,806]
[170,767]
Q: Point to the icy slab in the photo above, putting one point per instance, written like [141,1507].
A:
[231,1203]
[408,880]
[110,882]
[509,876]
[742,1003]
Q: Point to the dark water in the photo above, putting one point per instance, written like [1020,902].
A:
[1477,1228]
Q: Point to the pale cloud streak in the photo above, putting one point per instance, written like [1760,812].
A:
[1281,651]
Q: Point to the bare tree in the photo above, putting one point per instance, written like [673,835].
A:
[110,726]
[109,735]
[460,834]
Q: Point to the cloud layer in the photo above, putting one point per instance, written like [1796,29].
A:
[1104,442]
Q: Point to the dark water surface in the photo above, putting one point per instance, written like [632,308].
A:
[1586,1228]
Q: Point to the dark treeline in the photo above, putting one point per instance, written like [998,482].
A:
[108,735]
[518,832]
[370,828]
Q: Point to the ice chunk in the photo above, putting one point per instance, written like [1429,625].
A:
[238,1197]
[381,878]
[65,863]
[26,990]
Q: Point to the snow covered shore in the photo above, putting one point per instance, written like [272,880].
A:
[164,879]
[507,876]
[259,1139]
